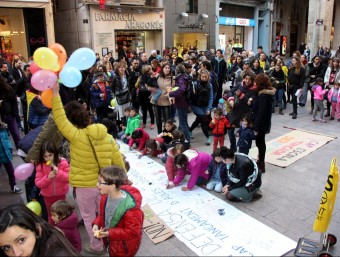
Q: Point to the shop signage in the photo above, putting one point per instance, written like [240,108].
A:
[144,25]
[230,21]
[191,26]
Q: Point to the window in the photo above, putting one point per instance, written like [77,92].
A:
[191,6]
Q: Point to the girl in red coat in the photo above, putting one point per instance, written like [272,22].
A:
[219,124]
[139,137]
[120,219]
[52,175]
[65,218]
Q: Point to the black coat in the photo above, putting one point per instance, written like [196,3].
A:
[263,112]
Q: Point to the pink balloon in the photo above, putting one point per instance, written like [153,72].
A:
[34,68]
[23,171]
[43,80]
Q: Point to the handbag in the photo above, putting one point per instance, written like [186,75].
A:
[123,98]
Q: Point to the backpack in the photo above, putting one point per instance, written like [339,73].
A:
[199,93]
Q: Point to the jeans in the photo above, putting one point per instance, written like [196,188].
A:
[303,96]
[261,144]
[10,172]
[88,200]
[161,112]
[214,184]
[11,121]
[183,122]
[279,94]
[232,139]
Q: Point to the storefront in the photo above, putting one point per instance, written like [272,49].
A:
[236,29]
[138,30]
[24,27]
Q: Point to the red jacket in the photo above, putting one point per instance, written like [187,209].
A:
[141,141]
[56,186]
[125,231]
[69,226]
[218,128]
[159,150]
[170,165]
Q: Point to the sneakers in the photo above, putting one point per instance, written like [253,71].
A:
[323,121]
[142,126]
[16,190]
[208,141]
[331,118]
[152,126]
[190,132]
[88,249]
[314,119]
[160,156]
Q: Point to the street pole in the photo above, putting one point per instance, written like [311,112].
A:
[312,49]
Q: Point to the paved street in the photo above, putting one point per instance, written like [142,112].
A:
[290,195]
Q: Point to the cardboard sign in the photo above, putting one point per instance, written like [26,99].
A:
[154,227]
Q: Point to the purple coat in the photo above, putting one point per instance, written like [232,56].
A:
[197,165]
[182,81]
[69,226]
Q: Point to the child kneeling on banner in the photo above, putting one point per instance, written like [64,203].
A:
[139,137]
[153,147]
[215,168]
[193,163]
[242,180]
[120,218]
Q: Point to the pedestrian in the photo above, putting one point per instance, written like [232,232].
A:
[246,135]
[215,168]
[51,175]
[219,125]
[65,218]
[334,99]
[120,218]
[319,94]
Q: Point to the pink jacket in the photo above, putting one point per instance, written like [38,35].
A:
[330,93]
[318,92]
[141,141]
[56,186]
[197,165]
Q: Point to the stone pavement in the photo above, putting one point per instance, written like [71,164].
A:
[290,198]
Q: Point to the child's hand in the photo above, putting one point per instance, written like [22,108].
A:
[237,134]
[130,148]
[213,122]
[123,127]
[185,189]
[172,100]
[140,156]
[206,172]
[52,175]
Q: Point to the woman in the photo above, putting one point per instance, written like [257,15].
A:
[162,106]
[206,65]
[332,75]
[220,68]
[106,61]
[9,110]
[278,79]
[144,94]
[181,102]
[262,115]
[91,148]
[194,163]
[242,180]
[296,78]
[241,98]
[120,88]
[37,112]
[22,233]
[257,69]
[201,99]
[234,71]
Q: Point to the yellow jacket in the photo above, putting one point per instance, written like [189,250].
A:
[84,166]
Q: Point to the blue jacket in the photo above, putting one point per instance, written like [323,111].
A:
[37,113]
[95,94]
[5,147]
[247,135]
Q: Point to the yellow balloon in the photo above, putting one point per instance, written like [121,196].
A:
[113,102]
[35,207]
[46,59]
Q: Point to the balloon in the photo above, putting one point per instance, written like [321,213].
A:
[46,59]
[46,98]
[70,76]
[23,171]
[113,102]
[60,51]
[221,101]
[34,68]
[43,80]
[82,58]
[35,207]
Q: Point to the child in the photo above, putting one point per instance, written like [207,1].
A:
[111,126]
[6,157]
[246,136]
[120,218]
[215,168]
[219,124]
[334,99]
[123,122]
[170,165]
[65,218]
[179,138]
[224,104]
[318,99]
[139,136]
[166,134]
[51,176]
[154,89]
[153,146]
[133,123]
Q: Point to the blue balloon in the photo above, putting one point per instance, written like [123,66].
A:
[221,101]
[82,58]
[70,76]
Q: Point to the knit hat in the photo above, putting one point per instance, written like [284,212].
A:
[153,52]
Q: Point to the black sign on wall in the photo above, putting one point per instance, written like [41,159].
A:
[35,29]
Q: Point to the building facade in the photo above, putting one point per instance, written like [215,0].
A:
[25,26]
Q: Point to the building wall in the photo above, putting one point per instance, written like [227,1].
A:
[336,37]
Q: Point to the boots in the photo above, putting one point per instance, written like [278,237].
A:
[261,166]
[327,113]
[281,112]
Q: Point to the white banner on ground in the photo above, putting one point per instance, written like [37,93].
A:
[208,225]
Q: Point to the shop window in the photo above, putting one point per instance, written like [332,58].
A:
[133,40]
[191,6]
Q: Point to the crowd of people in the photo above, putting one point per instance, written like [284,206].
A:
[73,142]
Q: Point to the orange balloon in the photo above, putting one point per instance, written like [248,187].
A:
[60,51]
[46,98]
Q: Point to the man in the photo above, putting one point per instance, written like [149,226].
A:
[16,71]
[153,55]
[143,60]
[259,52]
[264,63]
[272,56]
[122,54]
[135,72]
[242,181]
[193,62]
[6,75]
[237,47]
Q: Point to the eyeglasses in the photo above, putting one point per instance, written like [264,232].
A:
[102,183]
